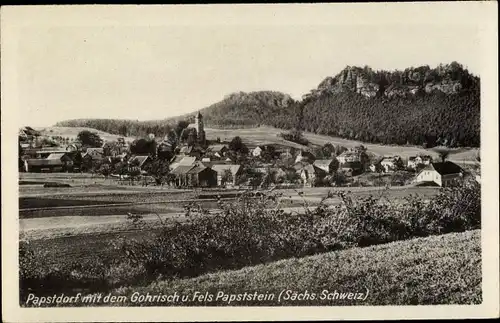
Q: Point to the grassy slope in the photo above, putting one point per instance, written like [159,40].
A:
[72,132]
[262,135]
[442,269]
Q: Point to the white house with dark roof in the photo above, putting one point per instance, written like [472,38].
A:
[441,174]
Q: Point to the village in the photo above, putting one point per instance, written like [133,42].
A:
[197,162]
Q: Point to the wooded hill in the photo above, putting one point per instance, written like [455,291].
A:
[418,106]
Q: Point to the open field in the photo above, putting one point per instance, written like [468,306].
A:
[79,232]
[261,135]
[72,132]
[99,203]
[443,269]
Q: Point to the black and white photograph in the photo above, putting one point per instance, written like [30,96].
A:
[252,158]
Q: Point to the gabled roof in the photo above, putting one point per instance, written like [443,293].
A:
[181,170]
[445,168]
[323,162]
[50,151]
[198,168]
[348,153]
[217,148]
[55,156]
[98,150]
[300,165]
[140,159]
[176,159]
[311,169]
[234,169]
[186,149]
[187,161]
[44,162]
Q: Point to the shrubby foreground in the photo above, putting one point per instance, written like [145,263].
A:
[248,231]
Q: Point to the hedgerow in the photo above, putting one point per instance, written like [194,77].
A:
[252,230]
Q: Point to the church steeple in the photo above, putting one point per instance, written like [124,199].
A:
[200,129]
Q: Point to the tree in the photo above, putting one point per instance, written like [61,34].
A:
[328,149]
[134,170]
[296,136]
[158,169]
[105,170]
[89,139]
[291,176]
[192,135]
[338,179]
[237,145]
[19,156]
[123,130]
[143,147]
[227,177]
[443,153]
[181,125]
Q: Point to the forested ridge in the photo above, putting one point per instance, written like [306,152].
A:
[418,106]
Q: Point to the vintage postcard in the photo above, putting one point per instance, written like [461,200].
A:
[250,162]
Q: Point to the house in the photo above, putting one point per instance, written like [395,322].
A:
[349,156]
[55,162]
[74,147]
[196,175]
[218,150]
[415,161]
[285,154]
[182,160]
[44,153]
[328,165]
[441,174]
[140,161]
[94,153]
[191,151]
[310,174]
[351,168]
[305,156]
[299,165]
[164,149]
[257,151]
[221,170]
[390,163]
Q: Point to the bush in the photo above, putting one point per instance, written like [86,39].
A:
[255,229]
[295,136]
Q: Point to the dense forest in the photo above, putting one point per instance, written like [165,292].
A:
[418,106]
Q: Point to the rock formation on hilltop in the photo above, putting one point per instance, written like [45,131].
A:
[448,79]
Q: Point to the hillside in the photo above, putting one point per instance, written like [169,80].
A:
[443,269]
[416,106]
[72,132]
[269,135]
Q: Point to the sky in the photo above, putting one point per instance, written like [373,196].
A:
[112,64]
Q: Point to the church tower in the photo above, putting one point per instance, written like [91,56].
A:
[200,131]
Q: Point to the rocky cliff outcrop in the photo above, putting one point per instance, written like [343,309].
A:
[449,79]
